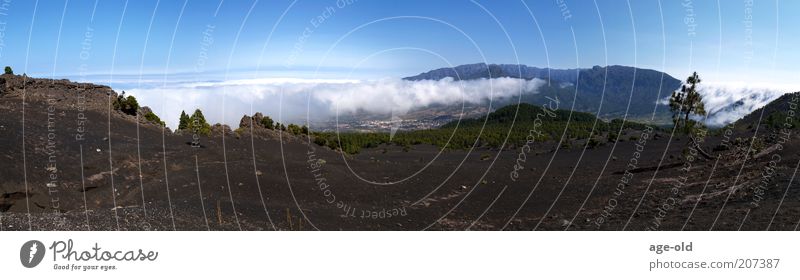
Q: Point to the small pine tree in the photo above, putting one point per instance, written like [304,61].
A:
[184,121]
[9,71]
[198,123]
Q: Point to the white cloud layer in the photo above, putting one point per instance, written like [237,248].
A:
[294,100]
[298,100]
[728,103]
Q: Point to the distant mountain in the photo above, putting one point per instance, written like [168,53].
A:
[611,92]
[482,70]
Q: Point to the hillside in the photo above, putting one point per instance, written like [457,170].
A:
[611,92]
[778,114]
[482,70]
[513,121]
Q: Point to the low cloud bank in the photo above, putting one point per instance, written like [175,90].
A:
[298,100]
[291,100]
[728,103]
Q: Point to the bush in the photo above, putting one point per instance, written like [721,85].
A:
[9,71]
[612,136]
[127,105]
[592,143]
[268,122]
[319,140]
[152,117]
[130,106]
[297,130]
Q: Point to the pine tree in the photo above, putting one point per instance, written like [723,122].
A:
[686,102]
[184,121]
[198,123]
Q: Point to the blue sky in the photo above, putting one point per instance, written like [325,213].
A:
[104,40]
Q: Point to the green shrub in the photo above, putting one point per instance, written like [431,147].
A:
[268,122]
[293,129]
[127,105]
[612,136]
[9,71]
[592,143]
[152,117]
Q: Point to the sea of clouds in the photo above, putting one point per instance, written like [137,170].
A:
[726,103]
[292,100]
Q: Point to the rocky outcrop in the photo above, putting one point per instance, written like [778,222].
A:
[219,129]
[259,129]
[255,120]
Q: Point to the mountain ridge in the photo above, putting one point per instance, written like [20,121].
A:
[609,91]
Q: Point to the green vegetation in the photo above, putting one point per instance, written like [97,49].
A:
[9,71]
[268,123]
[781,120]
[296,129]
[130,106]
[531,122]
[687,102]
[127,105]
[293,129]
[197,123]
[183,123]
[152,117]
[593,143]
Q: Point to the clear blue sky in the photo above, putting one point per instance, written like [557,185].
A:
[735,42]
